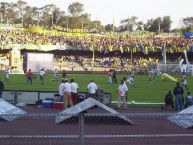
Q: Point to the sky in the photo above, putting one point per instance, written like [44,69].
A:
[107,10]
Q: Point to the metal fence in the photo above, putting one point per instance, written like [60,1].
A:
[96,129]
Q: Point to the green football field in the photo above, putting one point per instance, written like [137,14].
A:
[144,91]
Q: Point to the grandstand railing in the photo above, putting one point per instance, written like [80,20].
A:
[93,129]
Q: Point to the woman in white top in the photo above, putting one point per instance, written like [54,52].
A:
[122,91]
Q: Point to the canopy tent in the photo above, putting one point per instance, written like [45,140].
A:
[188,34]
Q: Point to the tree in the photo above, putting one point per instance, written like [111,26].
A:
[148,24]
[36,15]
[50,15]
[156,26]
[188,23]
[166,24]
[128,24]
[20,5]
[109,28]
[6,12]
[27,16]
[140,25]
[75,9]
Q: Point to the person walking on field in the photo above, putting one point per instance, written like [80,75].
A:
[184,81]
[7,75]
[122,90]
[42,74]
[110,76]
[55,75]
[114,77]
[29,75]
[64,74]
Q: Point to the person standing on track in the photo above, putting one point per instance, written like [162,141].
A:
[74,92]
[178,92]
[1,88]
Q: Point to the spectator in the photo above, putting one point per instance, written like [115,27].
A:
[74,92]
[61,90]
[92,88]
[67,94]
[122,89]
[188,100]
[178,92]
[169,100]
[1,88]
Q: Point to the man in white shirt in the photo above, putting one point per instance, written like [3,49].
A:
[67,94]
[7,75]
[92,88]
[74,92]
[42,73]
[61,89]
[130,81]
[55,75]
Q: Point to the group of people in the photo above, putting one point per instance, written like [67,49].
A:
[112,77]
[68,92]
[123,89]
[30,76]
[121,42]
[181,101]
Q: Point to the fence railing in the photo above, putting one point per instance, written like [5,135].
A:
[94,129]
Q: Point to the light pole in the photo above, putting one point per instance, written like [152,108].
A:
[52,18]
[22,17]
[82,25]
[38,12]
[67,22]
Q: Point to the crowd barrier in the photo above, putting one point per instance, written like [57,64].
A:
[31,97]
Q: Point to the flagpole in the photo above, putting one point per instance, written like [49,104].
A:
[164,54]
[186,58]
[113,24]
[93,56]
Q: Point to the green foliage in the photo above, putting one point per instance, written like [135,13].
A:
[75,9]
[109,28]
[144,91]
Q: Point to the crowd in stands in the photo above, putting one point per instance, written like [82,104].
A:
[145,43]
[102,43]
[106,62]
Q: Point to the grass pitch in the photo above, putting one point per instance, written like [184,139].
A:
[144,91]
